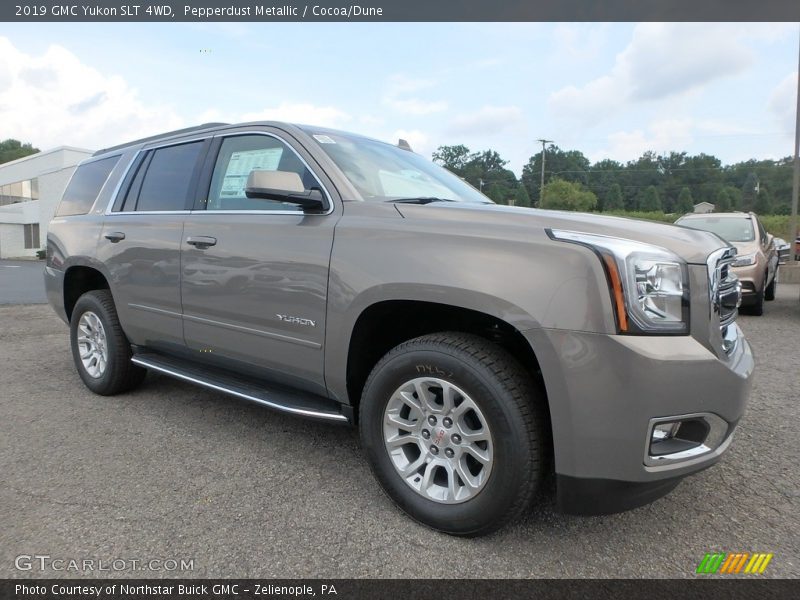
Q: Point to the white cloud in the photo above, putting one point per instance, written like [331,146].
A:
[489,120]
[783,102]
[398,96]
[54,99]
[303,113]
[660,136]
[662,60]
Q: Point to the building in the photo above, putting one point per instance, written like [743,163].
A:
[30,189]
[704,207]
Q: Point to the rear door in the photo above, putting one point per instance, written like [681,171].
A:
[255,272]
[141,241]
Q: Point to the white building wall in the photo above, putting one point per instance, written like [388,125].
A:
[53,170]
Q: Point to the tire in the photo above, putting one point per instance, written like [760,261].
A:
[95,333]
[757,308]
[769,293]
[507,406]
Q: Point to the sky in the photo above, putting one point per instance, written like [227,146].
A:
[608,90]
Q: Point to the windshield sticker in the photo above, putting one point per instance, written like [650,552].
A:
[324,139]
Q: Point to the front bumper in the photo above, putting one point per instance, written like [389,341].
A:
[604,391]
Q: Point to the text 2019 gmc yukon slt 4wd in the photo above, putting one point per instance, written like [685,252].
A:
[476,346]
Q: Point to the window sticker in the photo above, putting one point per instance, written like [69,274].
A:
[240,165]
[324,139]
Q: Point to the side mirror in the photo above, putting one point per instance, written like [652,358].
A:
[283,186]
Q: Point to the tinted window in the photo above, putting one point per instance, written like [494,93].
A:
[168,178]
[84,186]
[240,155]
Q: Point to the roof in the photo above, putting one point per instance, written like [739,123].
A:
[716,215]
[45,153]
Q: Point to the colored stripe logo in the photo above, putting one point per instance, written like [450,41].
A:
[733,563]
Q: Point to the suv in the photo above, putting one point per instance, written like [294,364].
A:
[477,347]
[756,263]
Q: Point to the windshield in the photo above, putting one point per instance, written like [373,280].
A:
[730,229]
[380,171]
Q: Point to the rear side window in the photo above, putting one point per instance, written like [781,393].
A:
[164,180]
[84,186]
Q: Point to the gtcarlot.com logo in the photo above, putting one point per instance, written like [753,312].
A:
[734,562]
[45,562]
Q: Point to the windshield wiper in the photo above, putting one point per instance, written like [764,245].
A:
[421,200]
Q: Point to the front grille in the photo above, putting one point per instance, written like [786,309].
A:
[725,294]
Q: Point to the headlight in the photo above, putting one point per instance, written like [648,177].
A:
[649,285]
[745,260]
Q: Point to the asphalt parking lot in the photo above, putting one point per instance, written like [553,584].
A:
[174,471]
[22,282]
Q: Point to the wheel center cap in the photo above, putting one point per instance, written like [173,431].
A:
[438,436]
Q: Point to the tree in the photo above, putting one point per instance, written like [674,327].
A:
[495,192]
[613,200]
[14,149]
[565,195]
[650,201]
[570,165]
[723,203]
[749,191]
[685,203]
[763,203]
[521,198]
[453,158]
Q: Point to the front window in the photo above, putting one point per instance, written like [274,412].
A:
[730,229]
[380,171]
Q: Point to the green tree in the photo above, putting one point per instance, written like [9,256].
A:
[613,199]
[453,158]
[723,203]
[650,201]
[14,149]
[565,195]
[521,198]
[749,191]
[685,204]
[495,192]
[569,165]
[763,203]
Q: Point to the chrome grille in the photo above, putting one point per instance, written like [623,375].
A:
[725,292]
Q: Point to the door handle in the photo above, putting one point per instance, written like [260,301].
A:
[201,242]
[115,236]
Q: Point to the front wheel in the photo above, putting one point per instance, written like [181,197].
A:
[769,293]
[100,350]
[452,428]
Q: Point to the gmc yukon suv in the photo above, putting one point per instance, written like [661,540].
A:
[478,347]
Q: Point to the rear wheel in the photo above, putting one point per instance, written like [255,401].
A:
[451,428]
[100,350]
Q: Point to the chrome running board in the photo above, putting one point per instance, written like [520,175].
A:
[275,397]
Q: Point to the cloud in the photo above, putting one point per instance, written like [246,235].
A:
[304,113]
[489,120]
[398,96]
[661,136]
[662,60]
[54,99]
[783,102]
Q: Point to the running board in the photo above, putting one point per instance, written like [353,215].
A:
[275,397]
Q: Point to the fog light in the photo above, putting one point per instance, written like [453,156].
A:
[684,437]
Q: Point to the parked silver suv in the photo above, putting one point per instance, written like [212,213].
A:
[478,347]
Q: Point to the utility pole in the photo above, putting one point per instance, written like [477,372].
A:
[541,187]
[796,178]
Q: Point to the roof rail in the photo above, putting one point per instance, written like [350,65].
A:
[159,136]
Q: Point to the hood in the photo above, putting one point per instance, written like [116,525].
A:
[691,245]
[745,247]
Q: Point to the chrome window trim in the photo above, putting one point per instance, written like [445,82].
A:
[117,189]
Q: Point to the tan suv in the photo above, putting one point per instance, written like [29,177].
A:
[756,262]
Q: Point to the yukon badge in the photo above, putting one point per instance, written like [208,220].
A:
[296,320]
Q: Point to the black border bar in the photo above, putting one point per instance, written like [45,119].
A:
[397,10]
[699,587]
